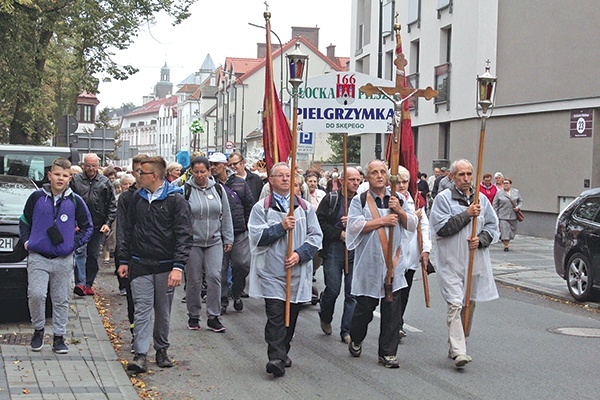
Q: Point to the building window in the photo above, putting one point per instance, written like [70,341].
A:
[412,81]
[360,40]
[86,113]
[414,14]
[389,61]
[442,85]
[446,44]
[415,132]
[442,72]
[443,5]
[444,142]
[388,18]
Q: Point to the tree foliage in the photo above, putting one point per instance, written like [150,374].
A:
[51,51]
[336,141]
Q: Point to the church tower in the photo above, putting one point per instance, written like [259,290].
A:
[164,87]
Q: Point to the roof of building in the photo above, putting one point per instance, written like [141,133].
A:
[152,107]
[188,88]
[287,46]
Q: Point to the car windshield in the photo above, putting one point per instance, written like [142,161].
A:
[13,196]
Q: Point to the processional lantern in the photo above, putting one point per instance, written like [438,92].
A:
[486,92]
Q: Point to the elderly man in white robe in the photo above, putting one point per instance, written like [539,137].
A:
[269,226]
[370,217]
[450,219]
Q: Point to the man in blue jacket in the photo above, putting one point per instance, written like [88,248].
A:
[48,231]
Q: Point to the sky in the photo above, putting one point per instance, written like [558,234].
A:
[219,28]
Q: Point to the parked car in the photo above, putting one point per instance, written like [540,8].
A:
[14,191]
[577,245]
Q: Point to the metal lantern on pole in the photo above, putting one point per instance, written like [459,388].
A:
[296,73]
[486,96]
[486,92]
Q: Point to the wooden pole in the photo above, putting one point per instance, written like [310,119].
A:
[423,265]
[290,247]
[345,193]
[465,319]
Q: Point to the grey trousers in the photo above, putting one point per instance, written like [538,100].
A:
[208,260]
[150,292]
[42,271]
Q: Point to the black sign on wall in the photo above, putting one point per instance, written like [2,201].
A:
[581,123]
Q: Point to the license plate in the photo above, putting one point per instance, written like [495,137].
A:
[6,244]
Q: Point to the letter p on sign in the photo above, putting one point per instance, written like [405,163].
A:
[306,138]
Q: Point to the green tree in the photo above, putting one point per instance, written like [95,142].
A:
[51,50]
[336,141]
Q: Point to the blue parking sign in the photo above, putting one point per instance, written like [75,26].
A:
[306,138]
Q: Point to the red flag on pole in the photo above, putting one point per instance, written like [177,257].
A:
[407,145]
[277,139]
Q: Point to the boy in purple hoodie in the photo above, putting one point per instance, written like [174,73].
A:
[48,231]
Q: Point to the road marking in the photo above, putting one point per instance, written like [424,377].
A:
[407,327]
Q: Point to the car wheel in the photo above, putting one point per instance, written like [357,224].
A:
[579,277]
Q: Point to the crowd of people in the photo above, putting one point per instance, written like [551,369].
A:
[220,229]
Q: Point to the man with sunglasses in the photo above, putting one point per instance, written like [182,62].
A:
[157,240]
[238,164]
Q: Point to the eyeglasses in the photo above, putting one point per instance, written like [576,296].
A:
[139,171]
[214,164]
[234,164]
[90,165]
[506,183]
[281,176]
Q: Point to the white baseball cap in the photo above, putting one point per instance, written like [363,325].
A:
[217,157]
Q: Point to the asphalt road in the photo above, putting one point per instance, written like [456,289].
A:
[516,354]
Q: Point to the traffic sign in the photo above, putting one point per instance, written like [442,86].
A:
[229,147]
[306,143]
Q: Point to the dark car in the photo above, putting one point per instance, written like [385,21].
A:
[577,245]
[14,191]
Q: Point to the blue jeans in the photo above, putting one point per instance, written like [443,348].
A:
[86,259]
[333,270]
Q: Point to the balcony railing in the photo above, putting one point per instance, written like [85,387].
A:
[442,85]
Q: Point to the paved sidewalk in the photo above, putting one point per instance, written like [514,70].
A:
[91,369]
[529,265]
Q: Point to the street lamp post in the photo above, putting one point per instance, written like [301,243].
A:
[280,58]
[486,95]
[297,70]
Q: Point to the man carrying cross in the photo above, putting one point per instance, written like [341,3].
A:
[369,217]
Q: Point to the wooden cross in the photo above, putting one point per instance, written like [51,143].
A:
[398,92]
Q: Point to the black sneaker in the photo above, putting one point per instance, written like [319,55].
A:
[59,346]
[244,295]
[138,365]
[37,341]
[238,304]
[355,349]
[276,367]
[194,324]
[162,359]
[215,325]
